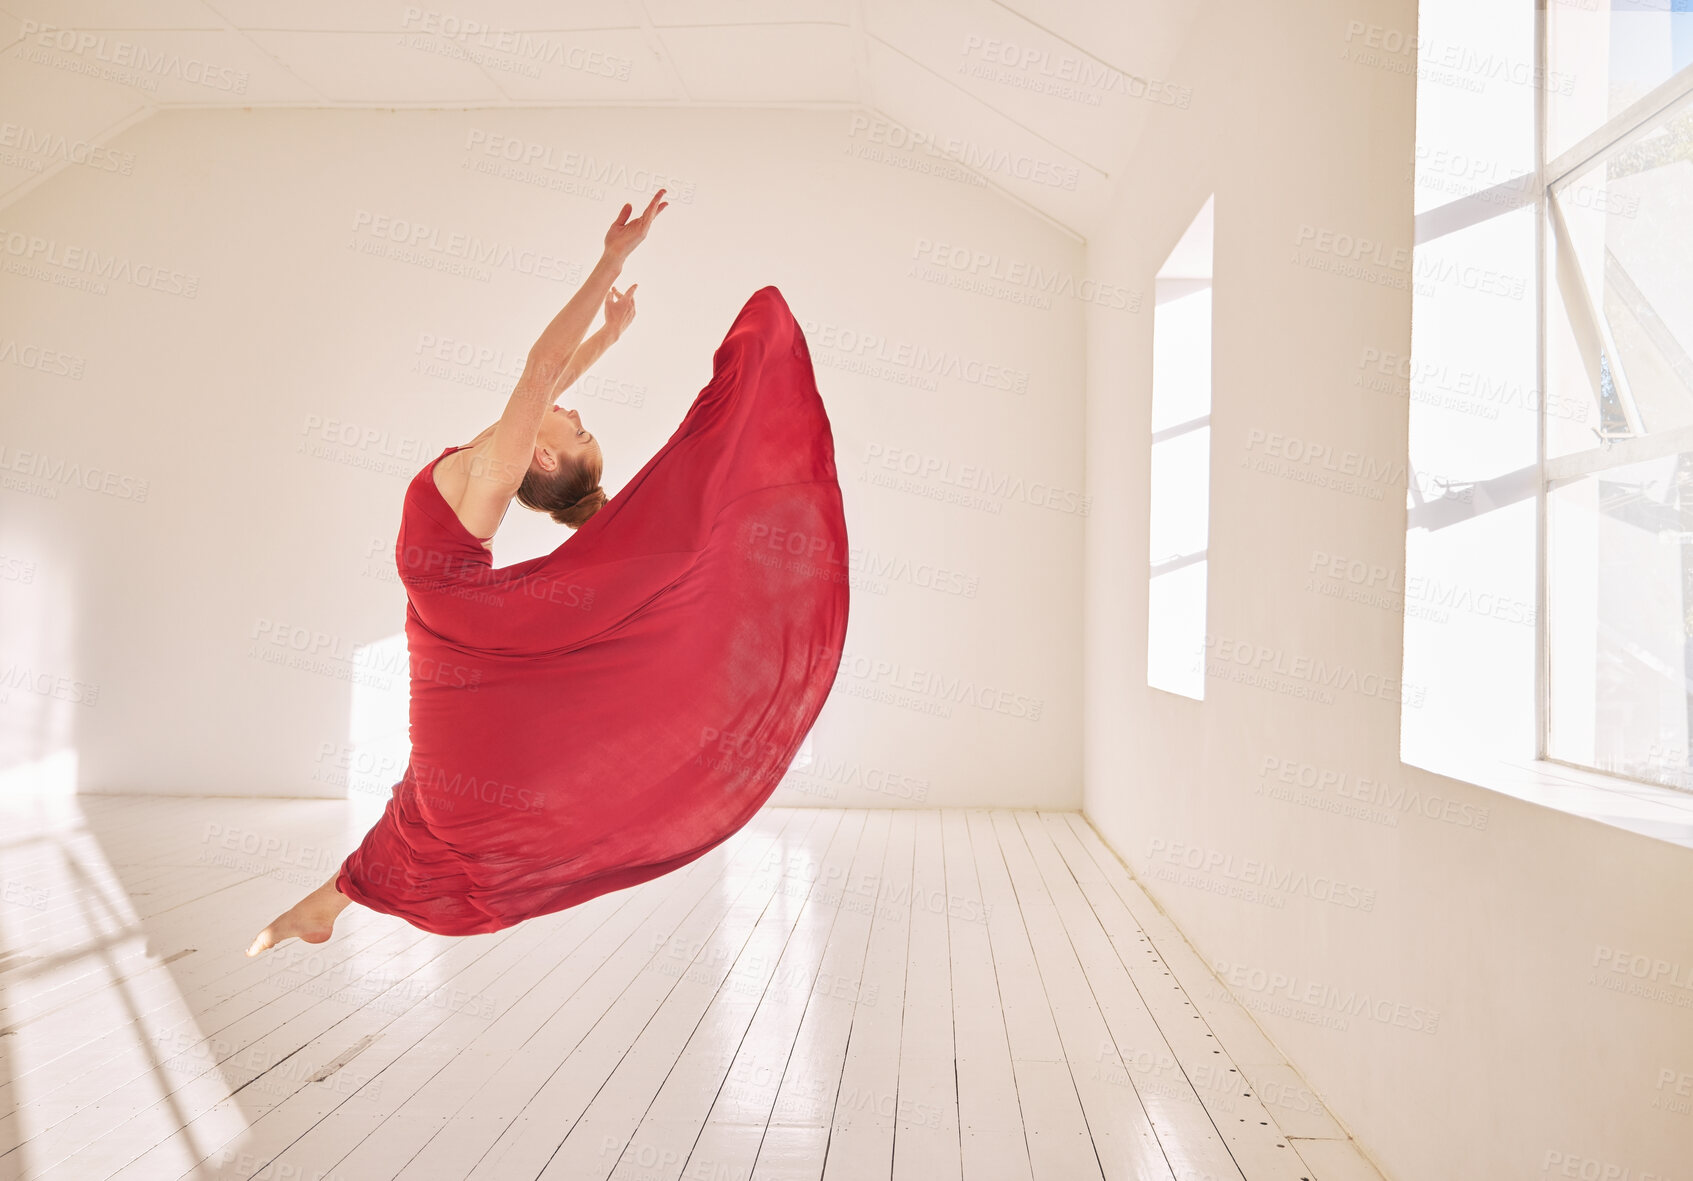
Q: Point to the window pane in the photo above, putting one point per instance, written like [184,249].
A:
[1475,98]
[1605,55]
[1471,377]
[1619,577]
[1181,353]
[1468,592]
[1175,637]
[1181,495]
[1468,599]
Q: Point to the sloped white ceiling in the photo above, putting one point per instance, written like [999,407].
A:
[1044,98]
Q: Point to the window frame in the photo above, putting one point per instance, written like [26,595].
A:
[1647,807]
[1160,566]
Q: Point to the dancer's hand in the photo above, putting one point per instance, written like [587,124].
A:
[620,309]
[625,235]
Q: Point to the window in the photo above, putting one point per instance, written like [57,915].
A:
[1549,604]
[1181,463]
[1618,329]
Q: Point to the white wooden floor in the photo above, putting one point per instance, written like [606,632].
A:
[832,994]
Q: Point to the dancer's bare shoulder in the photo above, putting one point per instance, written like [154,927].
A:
[476,507]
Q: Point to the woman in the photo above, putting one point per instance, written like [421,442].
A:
[592,718]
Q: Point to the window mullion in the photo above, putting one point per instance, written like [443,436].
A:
[1542,635]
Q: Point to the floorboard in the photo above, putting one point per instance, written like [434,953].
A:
[831,995]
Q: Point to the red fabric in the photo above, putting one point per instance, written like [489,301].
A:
[605,713]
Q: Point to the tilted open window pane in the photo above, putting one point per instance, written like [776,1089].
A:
[1623,241]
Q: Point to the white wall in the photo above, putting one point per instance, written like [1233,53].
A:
[1497,938]
[141,634]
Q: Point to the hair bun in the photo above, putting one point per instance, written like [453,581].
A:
[577,512]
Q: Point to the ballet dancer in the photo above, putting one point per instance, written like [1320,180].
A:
[537,453]
[569,713]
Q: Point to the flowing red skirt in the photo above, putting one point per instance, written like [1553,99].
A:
[600,715]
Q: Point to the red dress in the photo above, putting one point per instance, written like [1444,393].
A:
[600,715]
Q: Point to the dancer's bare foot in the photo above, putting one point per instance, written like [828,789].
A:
[312,918]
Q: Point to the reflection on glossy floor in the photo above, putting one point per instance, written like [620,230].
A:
[832,994]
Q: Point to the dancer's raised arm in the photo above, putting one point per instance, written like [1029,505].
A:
[619,310]
[512,446]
